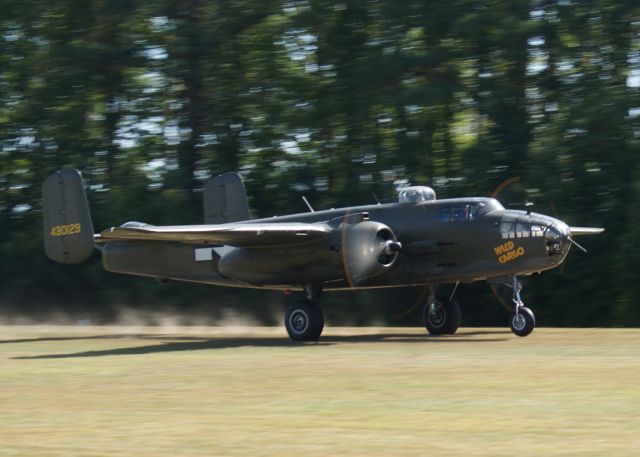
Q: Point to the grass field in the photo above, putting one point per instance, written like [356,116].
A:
[94,391]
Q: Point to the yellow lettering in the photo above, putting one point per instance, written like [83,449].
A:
[503,248]
[508,252]
[68,229]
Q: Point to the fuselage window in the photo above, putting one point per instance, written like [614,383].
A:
[507,230]
[537,230]
[523,230]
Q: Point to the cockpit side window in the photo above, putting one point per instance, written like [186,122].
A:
[459,212]
[444,213]
[474,211]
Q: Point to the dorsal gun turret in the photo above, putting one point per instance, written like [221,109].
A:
[416,194]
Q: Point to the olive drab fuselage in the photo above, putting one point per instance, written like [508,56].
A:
[467,239]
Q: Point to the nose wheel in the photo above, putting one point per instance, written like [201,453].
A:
[523,320]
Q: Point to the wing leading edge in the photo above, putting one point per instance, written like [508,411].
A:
[575,231]
[239,235]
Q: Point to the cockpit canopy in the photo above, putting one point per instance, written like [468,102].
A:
[416,194]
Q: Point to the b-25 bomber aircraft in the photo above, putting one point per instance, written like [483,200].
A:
[417,241]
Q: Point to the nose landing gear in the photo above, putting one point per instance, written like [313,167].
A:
[522,320]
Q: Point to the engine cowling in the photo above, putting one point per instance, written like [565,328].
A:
[369,249]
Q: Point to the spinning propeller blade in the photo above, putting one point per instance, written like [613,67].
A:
[576,244]
[504,184]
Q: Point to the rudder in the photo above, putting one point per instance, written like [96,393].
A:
[225,200]
[68,230]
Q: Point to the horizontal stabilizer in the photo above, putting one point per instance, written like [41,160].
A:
[575,231]
[239,235]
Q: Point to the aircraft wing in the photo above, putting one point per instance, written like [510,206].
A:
[234,234]
[586,230]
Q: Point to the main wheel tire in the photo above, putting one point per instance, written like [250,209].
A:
[524,322]
[445,317]
[304,320]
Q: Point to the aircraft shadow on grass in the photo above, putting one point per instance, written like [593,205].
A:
[179,343]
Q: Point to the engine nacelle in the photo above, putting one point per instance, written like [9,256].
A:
[369,249]
[355,252]
[280,265]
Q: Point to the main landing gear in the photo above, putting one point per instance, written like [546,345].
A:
[522,319]
[304,319]
[441,315]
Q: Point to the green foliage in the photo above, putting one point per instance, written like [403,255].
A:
[328,100]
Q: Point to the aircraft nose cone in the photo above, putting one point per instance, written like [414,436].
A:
[566,238]
[558,242]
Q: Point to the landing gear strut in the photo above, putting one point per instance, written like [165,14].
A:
[441,315]
[304,319]
[523,320]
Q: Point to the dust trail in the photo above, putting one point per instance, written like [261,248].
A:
[134,317]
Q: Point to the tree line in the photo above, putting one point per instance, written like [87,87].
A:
[332,100]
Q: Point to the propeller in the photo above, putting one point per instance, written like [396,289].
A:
[576,231]
[368,248]
[575,243]
[417,302]
[504,184]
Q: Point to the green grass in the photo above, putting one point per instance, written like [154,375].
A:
[95,391]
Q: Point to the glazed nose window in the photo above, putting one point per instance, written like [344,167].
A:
[554,241]
[553,233]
